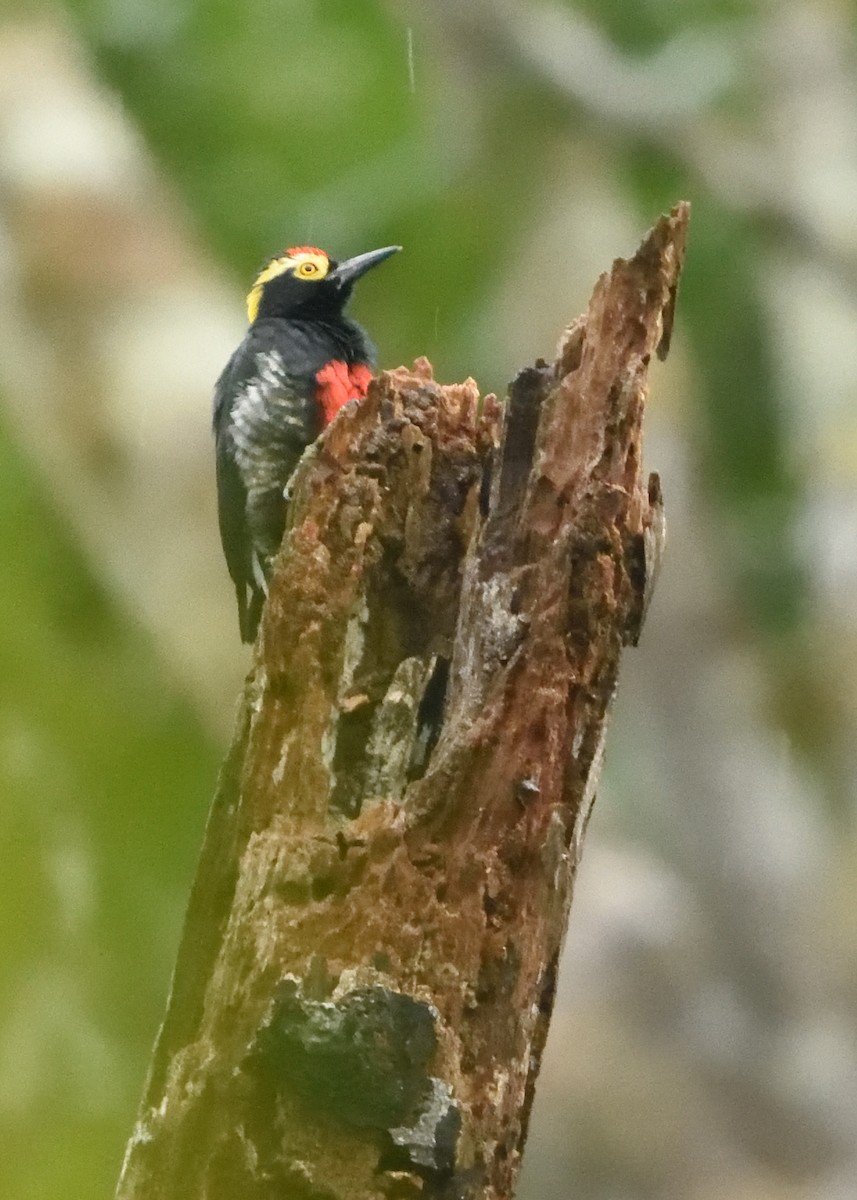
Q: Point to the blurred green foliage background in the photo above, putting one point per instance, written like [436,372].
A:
[152,156]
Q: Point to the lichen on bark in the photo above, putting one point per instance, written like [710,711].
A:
[369,960]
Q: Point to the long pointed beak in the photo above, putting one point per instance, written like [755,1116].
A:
[353,268]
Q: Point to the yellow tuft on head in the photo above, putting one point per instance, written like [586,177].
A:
[304,263]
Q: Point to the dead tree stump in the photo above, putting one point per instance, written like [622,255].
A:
[369,959]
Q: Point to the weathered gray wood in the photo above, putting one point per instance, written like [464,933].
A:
[369,960]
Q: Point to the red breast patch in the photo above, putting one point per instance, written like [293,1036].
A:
[338,383]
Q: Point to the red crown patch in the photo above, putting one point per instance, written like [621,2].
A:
[293,251]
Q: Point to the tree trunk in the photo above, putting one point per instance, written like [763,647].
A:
[369,959]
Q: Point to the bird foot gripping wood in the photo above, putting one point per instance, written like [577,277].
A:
[369,961]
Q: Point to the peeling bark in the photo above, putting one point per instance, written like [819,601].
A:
[369,959]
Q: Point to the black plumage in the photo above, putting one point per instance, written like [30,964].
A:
[274,397]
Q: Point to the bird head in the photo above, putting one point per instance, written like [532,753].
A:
[306,282]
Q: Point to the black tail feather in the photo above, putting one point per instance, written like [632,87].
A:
[249,611]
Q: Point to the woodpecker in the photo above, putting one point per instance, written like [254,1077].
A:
[300,361]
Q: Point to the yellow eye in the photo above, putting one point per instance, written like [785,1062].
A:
[308,269]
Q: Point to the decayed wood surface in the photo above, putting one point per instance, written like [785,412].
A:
[369,959]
